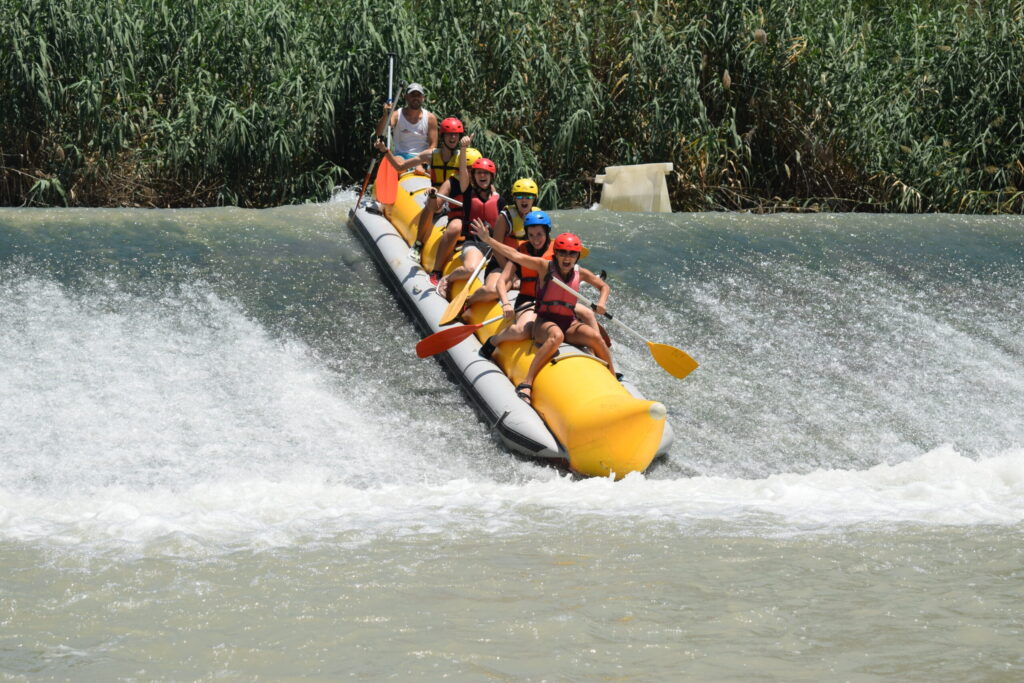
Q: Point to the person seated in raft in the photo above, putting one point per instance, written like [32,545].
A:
[415,128]
[522,315]
[444,161]
[556,319]
[510,230]
[479,201]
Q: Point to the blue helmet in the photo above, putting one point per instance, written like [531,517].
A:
[538,217]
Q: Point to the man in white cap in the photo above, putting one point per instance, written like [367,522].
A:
[414,128]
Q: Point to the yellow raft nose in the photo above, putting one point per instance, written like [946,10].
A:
[604,429]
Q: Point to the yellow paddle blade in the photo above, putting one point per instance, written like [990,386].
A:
[676,362]
[472,284]
[455,306]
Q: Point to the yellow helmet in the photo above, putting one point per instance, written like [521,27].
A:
[472,154]
[525,186]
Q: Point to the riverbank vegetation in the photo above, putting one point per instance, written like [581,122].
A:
[805,105]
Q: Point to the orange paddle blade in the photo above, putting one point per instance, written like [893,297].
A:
[445,339]
[385,185]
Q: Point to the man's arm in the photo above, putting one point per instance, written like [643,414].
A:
[431,130]
[402,164]
[383,122]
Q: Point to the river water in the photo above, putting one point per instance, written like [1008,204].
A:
[220,458]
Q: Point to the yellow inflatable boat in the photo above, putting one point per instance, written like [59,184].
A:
[580,414]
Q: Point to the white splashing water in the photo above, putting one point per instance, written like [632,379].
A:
[178,422]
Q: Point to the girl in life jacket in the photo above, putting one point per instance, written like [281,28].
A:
[479,202]
[556,318]
[538,235]
[510,229]
[522,315]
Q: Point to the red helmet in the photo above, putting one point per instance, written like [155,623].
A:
[452,125]
[568,242]
[485,164]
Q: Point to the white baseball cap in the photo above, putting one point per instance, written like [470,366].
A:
[415,87]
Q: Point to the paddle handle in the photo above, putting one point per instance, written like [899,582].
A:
[480,266]
[445,197]
[391,94]
[608,315]
[366,180]
[520,308]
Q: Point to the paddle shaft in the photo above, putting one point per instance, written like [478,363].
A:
[374,160]
[477,326]
[458,301]
[445,339]
[479,267]
[675,362]
[608,315]
[456,202]
[366,180]
[391,98]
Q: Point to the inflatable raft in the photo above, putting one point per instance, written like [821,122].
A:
[581,416]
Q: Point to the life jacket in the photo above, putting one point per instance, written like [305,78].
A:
[555,302]
[441,171]
[529,278]
[487,209]
[516,234]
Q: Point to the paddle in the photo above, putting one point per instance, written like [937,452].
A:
[456,202]
[366,180]
[600,328]
[446,339]
[385,185]
[391,90]
[456,304]
[675,362]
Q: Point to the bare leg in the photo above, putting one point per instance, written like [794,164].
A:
[489,290]
[550,337]
[521,329]
[586,316]
[471,258]
[584,335]
[447,245]
[426,221]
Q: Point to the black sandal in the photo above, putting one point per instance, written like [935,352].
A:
[521,392]
[487,350]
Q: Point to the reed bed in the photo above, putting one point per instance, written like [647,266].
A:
[804,105]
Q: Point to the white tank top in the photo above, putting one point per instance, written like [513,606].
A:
[410,138]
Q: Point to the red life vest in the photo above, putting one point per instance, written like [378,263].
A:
[528,278]
[555,302]
[477,208]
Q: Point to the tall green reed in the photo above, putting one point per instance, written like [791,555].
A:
[759,105]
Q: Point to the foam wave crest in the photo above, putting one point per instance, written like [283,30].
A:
[941,487]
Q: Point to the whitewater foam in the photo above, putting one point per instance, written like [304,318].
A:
[939,488]
[175,419]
